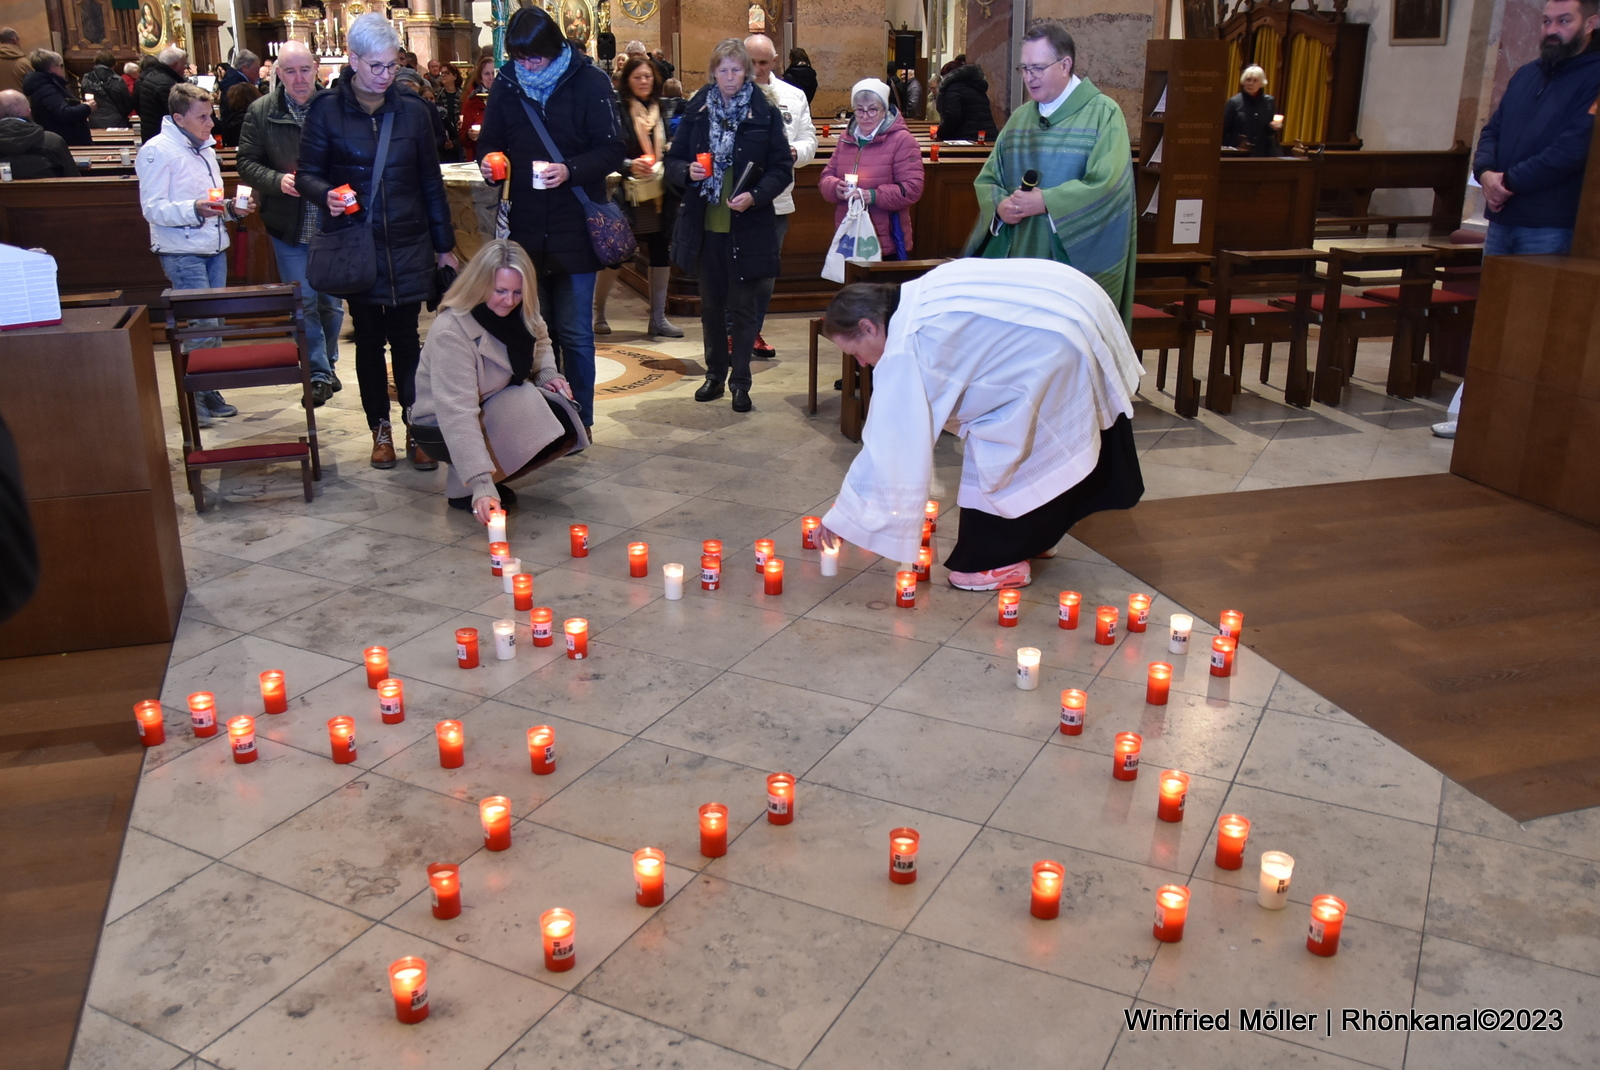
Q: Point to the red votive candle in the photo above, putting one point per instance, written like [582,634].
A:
[1231,624]
[638,559]
[1074,704]
[495,813]
[1174,791]
[542,620]
[808,532]
[903,844]
[713,830]
[1105,625]
[905,589]
[773,576]
[452,744]
[1172,910]
[242,738]
[924,566]
[559,928]
[1048,878]
[1010,603]
[1222,651]
[712,548]
[780,799]
[148,718]
[203,713]
[1158,683]
[392,701]
[522,591]
[1327,922]
[542,749]
[579,536]
[577,632]
[466,648]
[649,877]
[499,554]
[444,881]
[342,739]
[927,533]
[1125,755]
[1068,612]
[377,661]
[930,516]
[1233,832]
[408,981]
[1138,612]
[710,571]
[274,692]
[765,548]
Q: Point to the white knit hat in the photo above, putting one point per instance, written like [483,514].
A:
[877,87]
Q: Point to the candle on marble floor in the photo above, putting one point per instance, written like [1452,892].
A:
[1327,922]
[505,640]
[1231,624]
[924,564]
[905,589]
[452,744]
[1009,603]
[930,515]
[927,533]
[377,662]
[466,648]
[672,581]
[522,592]
[1222,651]
[830,559]
[713,830]
[1074,704]
[712,548]
[203,713]
[495,813]
[559,927]
[152,729]
[509,573]
[274,692]
[780,799]
[1048,878]
[638,559]
[765,548]
[342,739]
[444,881]
[577,633]
[408,982]
[903,844]
[1172,910]
[1182,627]
[649,877]
[1277,870]
[1125,755]
[808,532]
[1105,625]
[391,701]
[578,534]
[542,749]
[1174,792]
[1138,611]
[541,619]
[710,572]
[1158,683]
[1233,832]
[499,554]
[1028,658]
[1067,613]
[772,575]
[496,526]
[242,738]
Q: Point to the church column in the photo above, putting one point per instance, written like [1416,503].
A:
[990,45]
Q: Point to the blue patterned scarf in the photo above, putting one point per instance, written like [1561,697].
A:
[725,116]
[539,84]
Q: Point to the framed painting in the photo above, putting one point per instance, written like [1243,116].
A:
[1418,22]
[151,27]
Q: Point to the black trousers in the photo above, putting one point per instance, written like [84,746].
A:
[728,311]
[377,327]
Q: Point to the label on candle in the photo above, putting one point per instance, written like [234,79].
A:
[710,578]
[350,743]
[562,947]
[203,718]
[1219,659]
[542,629]
[777,804]
[1130,762]
[1023,672]
[461,651]
[1161,917]
[419,996]
[1179,643]
[572,646]
[1319,931]
[435,893]
[244,744]
[1111,629]
[1139,616]
[549,754]
[583,542]
[1071,716]
[389,705]
[1008,610]
[1064,612]
[903,863]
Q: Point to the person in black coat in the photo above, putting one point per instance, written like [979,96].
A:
[409,213]
[727,232]
[1247,119]
[801,74]
[53,107]
[577,104]
[155,86]
[964,106]
[112,101]
[246,70]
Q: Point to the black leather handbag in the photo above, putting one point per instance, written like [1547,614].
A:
[344,261]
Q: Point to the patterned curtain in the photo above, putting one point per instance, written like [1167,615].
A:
[1305,117]
[1268,52]
[1235,63]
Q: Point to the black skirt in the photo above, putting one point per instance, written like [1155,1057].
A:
[987,541]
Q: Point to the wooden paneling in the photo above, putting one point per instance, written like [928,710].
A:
[1266,203]
[1189,80]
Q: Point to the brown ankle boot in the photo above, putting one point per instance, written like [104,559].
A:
[417,455]
[383,446]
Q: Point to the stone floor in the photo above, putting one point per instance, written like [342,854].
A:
[257,906]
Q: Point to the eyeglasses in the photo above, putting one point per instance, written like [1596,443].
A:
[1035,70]
[874,110]
[532,64]
[383,68]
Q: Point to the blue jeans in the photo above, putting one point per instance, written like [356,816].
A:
[193,271]
[567,304]
[324,312]
[1506,240]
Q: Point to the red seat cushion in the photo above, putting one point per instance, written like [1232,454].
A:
[1238,307]
[1390,295]
[270,451]
[1346,303]
[243,358]
[1145,312]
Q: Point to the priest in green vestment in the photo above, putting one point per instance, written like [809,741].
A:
[1075,136]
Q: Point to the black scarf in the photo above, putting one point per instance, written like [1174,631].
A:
[512,333]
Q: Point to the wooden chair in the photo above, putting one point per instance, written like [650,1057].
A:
[1448,315]
[1236,319]
[1163,324]
[246,312]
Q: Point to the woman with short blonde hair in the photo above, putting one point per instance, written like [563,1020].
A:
[1250,122]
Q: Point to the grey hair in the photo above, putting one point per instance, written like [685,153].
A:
[634,46]
[130,68]
[371,34]
[13,105]
[244,58]
[1253,69]
[43,59]
[729,48]
[172,56]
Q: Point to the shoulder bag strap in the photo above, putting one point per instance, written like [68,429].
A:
[555,153]
[382,157]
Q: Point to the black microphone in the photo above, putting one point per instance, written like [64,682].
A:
[1030,180]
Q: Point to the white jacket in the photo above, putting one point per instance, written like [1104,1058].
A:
[1032,360]
[173,174]
[800,131]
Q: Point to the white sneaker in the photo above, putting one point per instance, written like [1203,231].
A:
[1445,430]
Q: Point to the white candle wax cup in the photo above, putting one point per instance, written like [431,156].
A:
[1276,870]
[539,167]
[672,576]
[1028,668]
[241,196]
[505,640]
[497,527]
[509,570]
[830,561]
[1182,628]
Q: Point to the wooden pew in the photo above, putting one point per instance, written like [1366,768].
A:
[1265,203]
[1347,180]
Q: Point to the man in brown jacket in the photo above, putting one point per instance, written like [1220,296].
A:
[14,65]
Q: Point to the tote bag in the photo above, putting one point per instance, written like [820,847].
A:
[856,240]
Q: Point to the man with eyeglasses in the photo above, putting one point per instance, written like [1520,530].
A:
[1076,139]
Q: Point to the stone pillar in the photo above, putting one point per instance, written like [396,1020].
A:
[990,46]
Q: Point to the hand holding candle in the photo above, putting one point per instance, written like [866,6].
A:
[830,560]
[496,526]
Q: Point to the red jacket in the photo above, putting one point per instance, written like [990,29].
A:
[891,164]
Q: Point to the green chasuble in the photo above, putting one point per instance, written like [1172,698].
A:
[1085,170]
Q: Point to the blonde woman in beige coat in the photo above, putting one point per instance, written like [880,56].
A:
[489,399]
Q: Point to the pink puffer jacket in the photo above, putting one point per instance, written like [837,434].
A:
[891,164]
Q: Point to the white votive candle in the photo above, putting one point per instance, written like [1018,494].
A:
[1182,627]
[830,560]
[1276,869]
[508,570]
[497,526]
[672,576]
[505,640]
[1028,668]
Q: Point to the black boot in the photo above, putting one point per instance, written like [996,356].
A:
[710,390]
[741,399]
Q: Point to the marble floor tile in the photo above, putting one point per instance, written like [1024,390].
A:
[710,518]
[750,971]
[616,689]
[232,672]
[1291,696]
[979,690]
[424,517]
[1349,765]
[581,1032]
[617,505]
[256,595]
[788,490]
[926,989]
[1575,833]
[103,1043]
[680,475]
[256,534]
[1191,1049]
[431,656]
[453,576]
[837,660]
[202,566]
[948,768]
[341,1013]
[354,619]
[352,554]
[702,628]
[759,723]
[194,961]
[195,636]
[868,602]
[352,501]
[1250,683]
[149,866]
[1195,733]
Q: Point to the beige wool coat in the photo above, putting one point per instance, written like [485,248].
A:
[463,388]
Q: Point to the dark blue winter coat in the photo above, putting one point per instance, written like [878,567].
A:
[1539,137]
